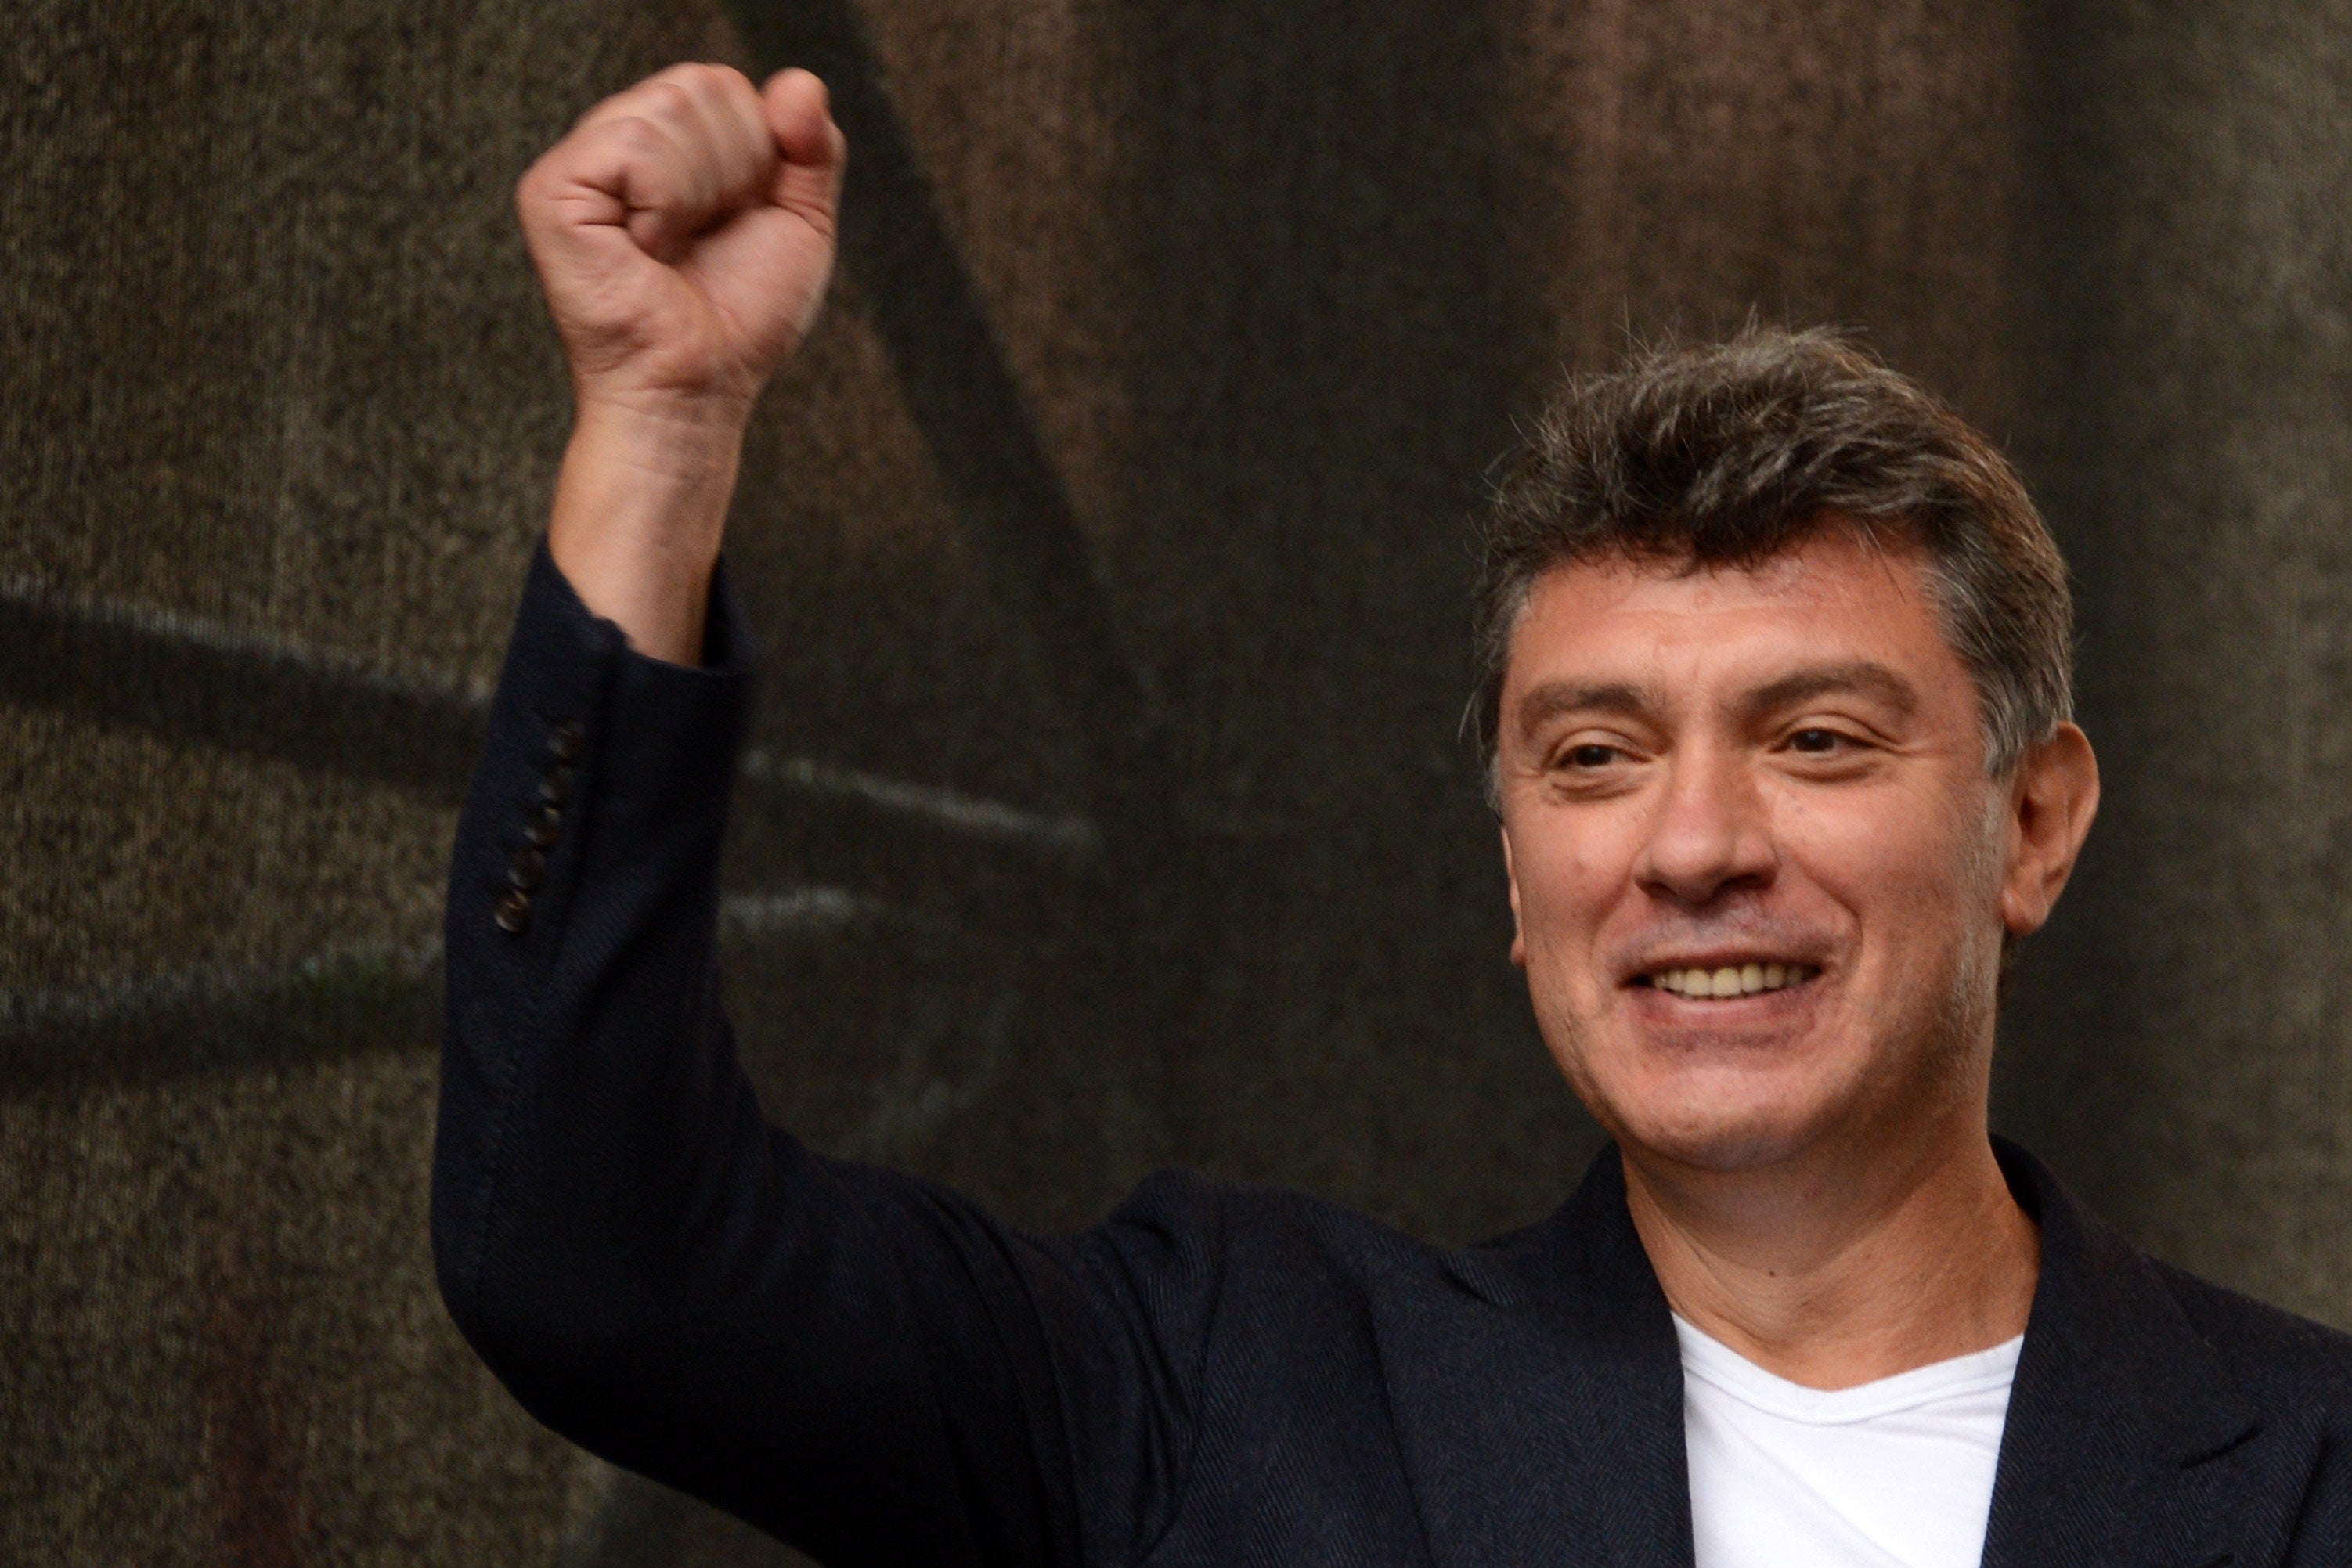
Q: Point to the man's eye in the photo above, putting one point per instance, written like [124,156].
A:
[1591,756]
[1818,742]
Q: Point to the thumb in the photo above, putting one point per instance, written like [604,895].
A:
[813,153]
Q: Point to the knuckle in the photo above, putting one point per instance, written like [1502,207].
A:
[636,136]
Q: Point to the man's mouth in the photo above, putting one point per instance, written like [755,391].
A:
[1727,980]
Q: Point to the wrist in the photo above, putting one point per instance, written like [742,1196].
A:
[678,438]
[640,506]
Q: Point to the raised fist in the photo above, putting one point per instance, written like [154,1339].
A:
[683,233]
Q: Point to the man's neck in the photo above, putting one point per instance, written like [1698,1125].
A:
[1844,1267]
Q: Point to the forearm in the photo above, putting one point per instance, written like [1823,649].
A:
[582,1067]
[615,1229]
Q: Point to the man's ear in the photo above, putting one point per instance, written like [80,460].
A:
[1519,934]
[2052,802]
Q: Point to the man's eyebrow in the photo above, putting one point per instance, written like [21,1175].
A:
[1553,698]
[1857,676]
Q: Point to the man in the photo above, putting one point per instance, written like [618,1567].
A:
[1774,675]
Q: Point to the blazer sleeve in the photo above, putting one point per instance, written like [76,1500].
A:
[864,1366]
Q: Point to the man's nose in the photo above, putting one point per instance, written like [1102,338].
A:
[1710,835]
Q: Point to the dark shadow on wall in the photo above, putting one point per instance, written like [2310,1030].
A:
[1310,211]
[1265,644]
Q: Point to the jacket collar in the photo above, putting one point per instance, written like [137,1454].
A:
[2119,1407]
[2118,1410]
[1540,1409]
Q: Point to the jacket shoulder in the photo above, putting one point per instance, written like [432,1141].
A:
[1251,1262]
[2280,1358]
[1258,1227]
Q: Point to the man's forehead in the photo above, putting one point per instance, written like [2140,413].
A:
[1831,602]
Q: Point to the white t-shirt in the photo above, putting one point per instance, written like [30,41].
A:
[1892,1474]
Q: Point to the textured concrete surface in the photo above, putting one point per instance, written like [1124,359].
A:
[1271,280]
[147,860]
[222,1341]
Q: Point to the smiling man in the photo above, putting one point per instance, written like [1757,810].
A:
[1770,836]
[1774,672]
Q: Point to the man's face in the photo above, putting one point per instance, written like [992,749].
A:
[1766,782]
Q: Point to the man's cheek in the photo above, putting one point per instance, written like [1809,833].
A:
[1559,958]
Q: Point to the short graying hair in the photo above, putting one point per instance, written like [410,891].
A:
[1729,453]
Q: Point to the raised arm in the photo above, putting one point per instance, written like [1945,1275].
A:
[684,234]
[862,1364]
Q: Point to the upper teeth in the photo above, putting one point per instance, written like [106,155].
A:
[1731,980]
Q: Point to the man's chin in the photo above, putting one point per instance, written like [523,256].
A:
[1713,1119]
[1742,1145]
[1749,1133]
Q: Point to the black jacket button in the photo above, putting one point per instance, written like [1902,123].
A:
[565,740]
[546,828]
[526,869]
[514,912]
[555,786]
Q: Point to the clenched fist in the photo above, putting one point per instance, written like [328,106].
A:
[683,233]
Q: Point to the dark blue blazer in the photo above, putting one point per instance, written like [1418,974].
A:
[874,1370]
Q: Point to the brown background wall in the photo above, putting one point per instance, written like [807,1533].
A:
[1109,544]
[2183,1040]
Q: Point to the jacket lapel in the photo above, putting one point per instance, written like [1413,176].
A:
[2127,1441]
[1540,1404]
